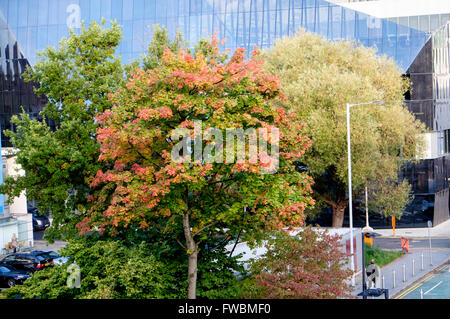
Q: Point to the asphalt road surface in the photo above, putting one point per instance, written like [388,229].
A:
[38,235]
[434,286]
[395,243]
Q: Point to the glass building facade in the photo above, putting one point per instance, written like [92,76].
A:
[244,23]
[426,16]
[29,26]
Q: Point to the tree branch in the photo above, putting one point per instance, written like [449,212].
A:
[203,228]
[180,243]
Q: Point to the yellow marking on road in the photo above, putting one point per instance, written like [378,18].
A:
[407,291]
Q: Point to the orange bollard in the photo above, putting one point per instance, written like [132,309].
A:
[393,226]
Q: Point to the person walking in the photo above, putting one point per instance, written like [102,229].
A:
[14,242]
[372,273]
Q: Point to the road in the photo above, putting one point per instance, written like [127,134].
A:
[434,286]
[414,243]
[41,243]
[38,235]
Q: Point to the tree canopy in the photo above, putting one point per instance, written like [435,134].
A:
[199,197]
[75,78]
[306,264]
[319,78]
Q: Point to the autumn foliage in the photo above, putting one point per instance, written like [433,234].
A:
[145,187]
[308,264]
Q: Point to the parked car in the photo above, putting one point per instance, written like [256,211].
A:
[50,254]
[9,276]
[40,222]
[29,262]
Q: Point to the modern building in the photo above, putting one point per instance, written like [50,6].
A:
[413,34]
[428,99]
[426,16]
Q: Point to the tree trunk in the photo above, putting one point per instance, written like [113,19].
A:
[192,248]
[338,214]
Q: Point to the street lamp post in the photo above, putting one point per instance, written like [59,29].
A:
[350,200]
[367,228]
[375,292]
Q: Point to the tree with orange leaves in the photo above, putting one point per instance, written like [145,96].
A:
[189,188]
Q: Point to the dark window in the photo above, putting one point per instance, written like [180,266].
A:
[447,141]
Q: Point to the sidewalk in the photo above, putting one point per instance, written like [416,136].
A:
[440,231]
[44,245]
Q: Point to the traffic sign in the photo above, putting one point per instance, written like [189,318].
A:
[405,244]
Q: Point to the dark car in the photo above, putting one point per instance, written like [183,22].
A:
[40,222]
[46,254]
[29,262]
[10,276]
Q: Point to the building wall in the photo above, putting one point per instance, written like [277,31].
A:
[19,206]
[429,101]
[244,23]
[441,207]
[18,221]
[420,72]
[441,77]
[15,93]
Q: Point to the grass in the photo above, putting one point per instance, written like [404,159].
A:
[381,257]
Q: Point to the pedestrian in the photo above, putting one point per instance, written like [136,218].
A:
[372,272]
[14,242]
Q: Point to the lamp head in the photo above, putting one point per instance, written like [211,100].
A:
[371,234]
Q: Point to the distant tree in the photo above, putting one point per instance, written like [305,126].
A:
[319,78]
[308,265]
[196,199]
[76,78]
[159,42]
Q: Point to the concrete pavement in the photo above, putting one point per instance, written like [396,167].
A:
[442,230]
[43,244]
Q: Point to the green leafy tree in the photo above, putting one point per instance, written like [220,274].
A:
[159,42]
[75,78]
[193,200]
[67,76]
[319,78]
[109,268]
[218,273]
[140,265]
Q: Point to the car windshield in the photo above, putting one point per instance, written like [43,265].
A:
[50,254]
[4,269]
[9,258]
